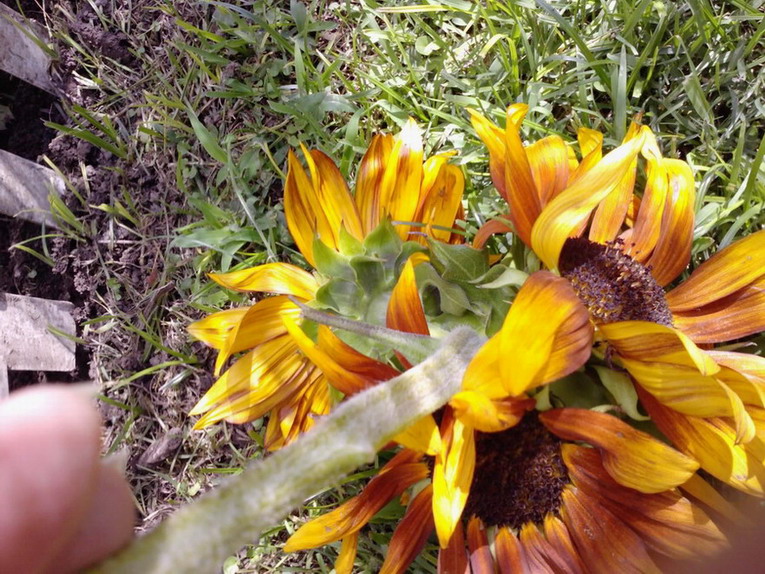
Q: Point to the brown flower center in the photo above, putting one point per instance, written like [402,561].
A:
[612,285]
[519,475]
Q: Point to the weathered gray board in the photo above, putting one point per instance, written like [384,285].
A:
[20,55]
[26,343]
[24,188]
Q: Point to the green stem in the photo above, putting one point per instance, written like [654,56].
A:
[198,537]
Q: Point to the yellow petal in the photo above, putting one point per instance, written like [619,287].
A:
[486,415]
[726,272]
[422,436]
[673,248]
[452,476]
[566,214]
[347,555]
[400,185]
[647,228]
[369,180]
[440,202]
[261,323]
[633,458]
[349,359]
[493,138]
[281,278]
[214,329]
[712,441]
[402,471]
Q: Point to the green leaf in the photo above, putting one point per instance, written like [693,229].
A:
[500,276]
[620,386]
[452,298]
[459,262]
[207,139]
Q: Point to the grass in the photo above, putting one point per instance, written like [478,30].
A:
[205,99]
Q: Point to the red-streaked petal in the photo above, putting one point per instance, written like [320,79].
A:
[726,272]
[673,248]
[510,555]
[281,278]
[411,533]
[481,560]
[712,441]
[343,380]
[667,522]
[493,138]
[453,559]
[645,234]
[540,555]
[548,160]
[491,227]
[336,201]
[405,312]
[605,543]
[566,214]
[632,457]
[703,492]
[402,471]
[351,360]
[559,538]
[612,211]
[369,180]
[440,201]
[262,322]
[738,315]
[452,476]
[347,555]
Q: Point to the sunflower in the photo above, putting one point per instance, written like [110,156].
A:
[329,225]
[524,483]
[618,251]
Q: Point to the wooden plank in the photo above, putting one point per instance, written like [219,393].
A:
[24,189]
[26,344]
[20,55]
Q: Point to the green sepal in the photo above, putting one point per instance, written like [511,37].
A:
[408,249]
[348,244]
[452,298]
[370,273]
[330,263]
[383,242]
[458,262]
[344,297]
[501,276]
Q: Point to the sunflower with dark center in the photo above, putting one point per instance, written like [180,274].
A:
[617,250]
[594,494]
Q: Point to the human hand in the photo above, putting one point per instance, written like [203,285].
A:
[61,509]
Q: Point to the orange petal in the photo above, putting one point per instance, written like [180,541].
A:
[605,543]
[335,200]
[347,555]
[738,315]
[673,248]
[647,228]
[262,322]
[510,555]
[566,214]
[493,138]
[612,211]
[351,360]
[559,538]
[486,415]
[481,560]
[633,458]
[402,471]
[411,533]
[548,160]
[726,272]
[452,476]
[710,497]
[343,380]
[667,522]
[281,278]
[453,559]
[491,227]
[405,312]
[712,441]
[540,554]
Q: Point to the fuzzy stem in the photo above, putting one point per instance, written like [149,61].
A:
[198,537]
